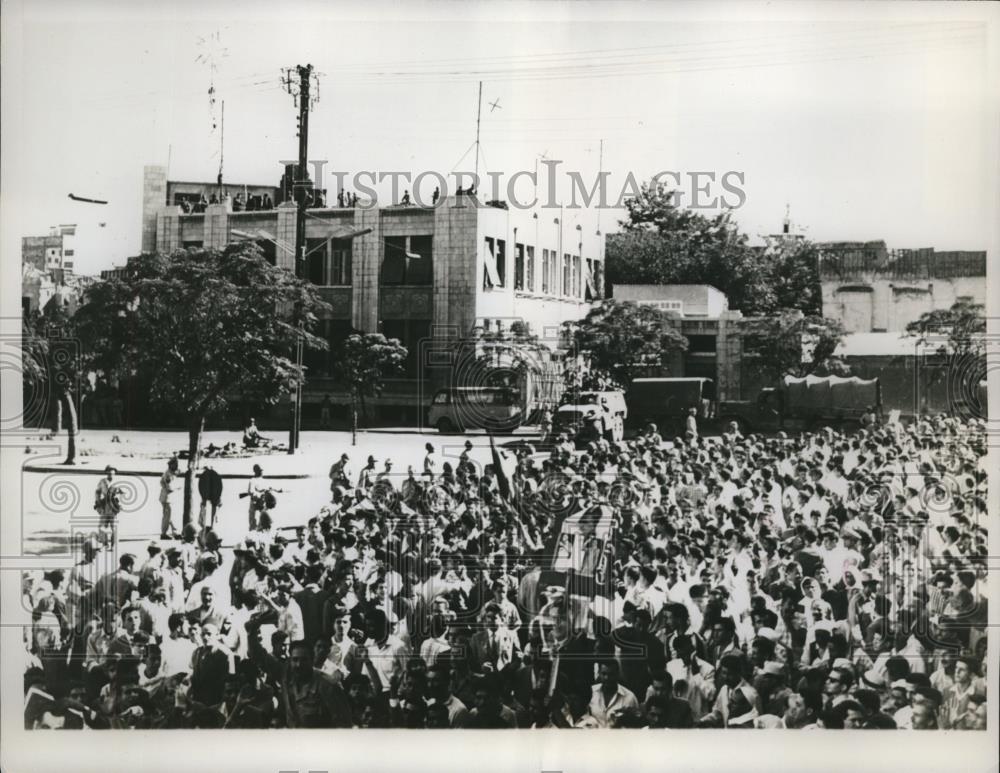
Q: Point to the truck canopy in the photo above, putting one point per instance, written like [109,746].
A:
[830,395]
[661,396]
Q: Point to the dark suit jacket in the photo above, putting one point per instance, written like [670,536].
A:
[312,603]
[679,714]
[479,651]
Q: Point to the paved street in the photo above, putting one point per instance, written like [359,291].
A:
[57,500]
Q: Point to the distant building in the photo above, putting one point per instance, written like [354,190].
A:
[715,347]
[875,293]
[117,272]
[47,268]
[686,300]
[871,289]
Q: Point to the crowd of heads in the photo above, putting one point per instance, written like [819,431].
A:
[819,580]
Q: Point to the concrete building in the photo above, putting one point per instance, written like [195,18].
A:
[688,301]
[871,289]
[47,267]
[429,276]
[713,331]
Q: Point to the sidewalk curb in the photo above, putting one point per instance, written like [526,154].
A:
[74,470]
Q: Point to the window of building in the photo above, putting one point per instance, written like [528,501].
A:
[270,250]
[340,262]
[529,282]
[411,333]
[545,271]
[677,306]
[193,244]
[328,261]
[518,266]
[494,263]
[567,275]
[577,277]
[334,332]
[701,344]
[408,260]
[420,270]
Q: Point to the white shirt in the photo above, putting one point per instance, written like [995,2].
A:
[176,655]
[622,700]
[290,621]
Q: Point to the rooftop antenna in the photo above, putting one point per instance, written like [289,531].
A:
[222,144]
[479,112]
[600,178]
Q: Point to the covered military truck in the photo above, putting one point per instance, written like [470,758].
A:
[806,403]
[667,401]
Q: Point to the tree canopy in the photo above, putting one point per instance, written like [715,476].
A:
[51,370]
[623,340]
[201,326]
[958,336]
[661,243]
[365,360]
[794,344]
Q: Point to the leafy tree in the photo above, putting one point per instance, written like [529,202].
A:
[623,340]
[201,326]
[661,243]
[792,270]
[51,358]
[365,360]
[959,330]
[794,344]
[959,335]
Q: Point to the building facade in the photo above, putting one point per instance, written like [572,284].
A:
[429,276]
[871,289]
[702,315]
[47,267]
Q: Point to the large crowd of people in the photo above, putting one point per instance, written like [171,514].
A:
[817,580]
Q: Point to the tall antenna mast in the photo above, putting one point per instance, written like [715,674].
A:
[600,184]
[479,112]
[222,145]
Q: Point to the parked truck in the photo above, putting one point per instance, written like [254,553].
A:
[805,403]
[589,415]
[668,401]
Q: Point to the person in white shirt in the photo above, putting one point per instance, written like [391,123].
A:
[343,650]
[289,613]
[177,648]
[437,643]
[430,462]
[609,699]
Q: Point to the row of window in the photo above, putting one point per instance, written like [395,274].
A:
[411,333]
[572,276]
[409,260]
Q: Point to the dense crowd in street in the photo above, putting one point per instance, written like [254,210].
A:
[818,580]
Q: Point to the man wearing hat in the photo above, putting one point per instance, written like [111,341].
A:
[106,501]
[367,475]
[340,474]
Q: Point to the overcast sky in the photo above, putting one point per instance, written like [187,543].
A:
[868,129]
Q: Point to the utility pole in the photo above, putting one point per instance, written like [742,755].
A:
[304,100]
